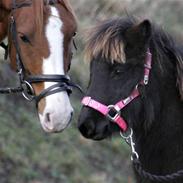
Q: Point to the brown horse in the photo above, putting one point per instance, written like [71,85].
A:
[45,31]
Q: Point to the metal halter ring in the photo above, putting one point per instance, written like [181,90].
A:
[28,91]
[115,111]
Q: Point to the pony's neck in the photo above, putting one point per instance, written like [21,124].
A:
[160,146]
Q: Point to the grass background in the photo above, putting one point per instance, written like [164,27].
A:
[28,155]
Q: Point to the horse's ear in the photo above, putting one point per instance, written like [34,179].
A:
[5,7]
[139,34]
[3,30]
[67,5]
[6,4]
[3,14]
[3,24]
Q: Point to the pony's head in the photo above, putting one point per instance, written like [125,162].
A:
[118,51]
[44,34]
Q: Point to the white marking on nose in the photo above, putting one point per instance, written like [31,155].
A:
[58,110]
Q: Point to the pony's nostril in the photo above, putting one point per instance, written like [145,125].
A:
[87,129]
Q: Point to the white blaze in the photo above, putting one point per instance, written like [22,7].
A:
[57,113]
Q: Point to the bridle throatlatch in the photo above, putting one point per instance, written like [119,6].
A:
[113,112]
[62,82]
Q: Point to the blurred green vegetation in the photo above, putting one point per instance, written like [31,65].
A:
[28,155]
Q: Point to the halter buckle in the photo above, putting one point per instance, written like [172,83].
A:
[113,112]
[146,79]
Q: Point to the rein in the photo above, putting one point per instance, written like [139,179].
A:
[63,83]
[113,113]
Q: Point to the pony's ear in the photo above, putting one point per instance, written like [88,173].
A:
[139,34]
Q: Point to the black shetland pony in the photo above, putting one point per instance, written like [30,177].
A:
[118,51]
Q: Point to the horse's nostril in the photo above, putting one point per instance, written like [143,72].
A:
[48,119]
[72,114]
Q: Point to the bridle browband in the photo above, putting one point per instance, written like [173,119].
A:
[62,82]
[113,112]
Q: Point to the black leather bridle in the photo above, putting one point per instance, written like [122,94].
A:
[63,83]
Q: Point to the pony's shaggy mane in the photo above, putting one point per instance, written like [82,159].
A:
[106,40]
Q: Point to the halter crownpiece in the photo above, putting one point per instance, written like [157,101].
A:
[113,112]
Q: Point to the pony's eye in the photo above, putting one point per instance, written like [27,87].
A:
[25,39]
[118,71]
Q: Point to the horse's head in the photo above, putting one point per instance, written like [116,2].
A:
[117,51]
[44,33]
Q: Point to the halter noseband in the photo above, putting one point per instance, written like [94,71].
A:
[113,112]
[63,83]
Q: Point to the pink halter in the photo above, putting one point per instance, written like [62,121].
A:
[116,114]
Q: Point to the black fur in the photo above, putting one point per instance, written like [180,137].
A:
[157,116]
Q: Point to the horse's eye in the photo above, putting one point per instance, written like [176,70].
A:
[25,39]
[74,34]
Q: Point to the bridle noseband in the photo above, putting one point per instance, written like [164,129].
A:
[62,82]
[113,112]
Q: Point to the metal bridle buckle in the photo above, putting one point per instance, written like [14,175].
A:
[28,91]
[128,137]
[116,112]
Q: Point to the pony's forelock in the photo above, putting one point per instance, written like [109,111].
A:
[105,42]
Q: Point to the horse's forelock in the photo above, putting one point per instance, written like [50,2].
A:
[38,7]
